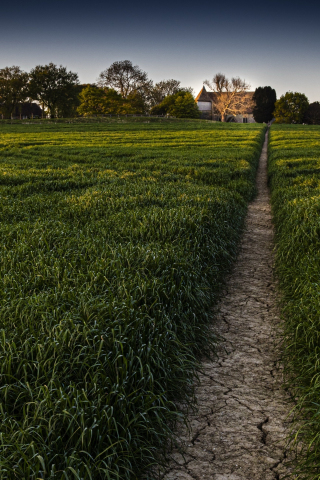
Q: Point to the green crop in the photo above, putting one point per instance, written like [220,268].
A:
[114,241]
[294,172]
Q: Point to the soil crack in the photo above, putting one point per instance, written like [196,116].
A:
[244,435]
[264,433]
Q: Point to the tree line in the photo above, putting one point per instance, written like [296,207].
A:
[231,98]
[292,107]
[124,89]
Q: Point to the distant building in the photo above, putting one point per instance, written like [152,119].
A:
[206,106]
[28,110]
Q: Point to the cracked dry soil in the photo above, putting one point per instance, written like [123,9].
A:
[238,432]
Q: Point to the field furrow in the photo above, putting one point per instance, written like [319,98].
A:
[240,429]
[294,173]
[115,239]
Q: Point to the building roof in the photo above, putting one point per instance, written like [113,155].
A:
[203,96]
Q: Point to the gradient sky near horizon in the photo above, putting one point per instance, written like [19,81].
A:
[274,43]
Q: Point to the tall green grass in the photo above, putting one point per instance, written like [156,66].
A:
[114,241]
[294,171]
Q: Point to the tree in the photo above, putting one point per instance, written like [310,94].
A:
[290,108]
[163,89]
[312,114]
[163,107]
[68,107]
[137,102]
[92,101]
[13,89]
[125,78]
[54,87]
[102,101]
[264,99]
[230,95]
[184,107]
[181,105]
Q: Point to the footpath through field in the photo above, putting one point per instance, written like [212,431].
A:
[239,430]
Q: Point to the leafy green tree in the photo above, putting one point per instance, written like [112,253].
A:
[102,101]
[91,101]
[312,114]
[181,105]
[54,88]
[13,89]
[184,107]
[163,107]
[264,100]
[291,107]
[138,103]
[68,107]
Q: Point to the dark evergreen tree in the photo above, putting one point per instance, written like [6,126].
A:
[312,114]
[264,99]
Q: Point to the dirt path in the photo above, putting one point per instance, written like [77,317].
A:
[238,432]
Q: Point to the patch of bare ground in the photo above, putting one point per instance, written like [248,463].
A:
[239,430]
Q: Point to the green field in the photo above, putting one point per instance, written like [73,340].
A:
[114,241]
[294,172]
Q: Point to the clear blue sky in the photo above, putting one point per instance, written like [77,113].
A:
[272,43]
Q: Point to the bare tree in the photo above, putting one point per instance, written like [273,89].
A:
[230,96]
[125,78]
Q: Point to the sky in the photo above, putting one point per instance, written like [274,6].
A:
[274,43]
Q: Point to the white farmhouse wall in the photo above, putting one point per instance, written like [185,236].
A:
[204,106]
[249,117]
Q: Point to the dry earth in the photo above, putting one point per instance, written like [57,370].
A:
[239,431]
